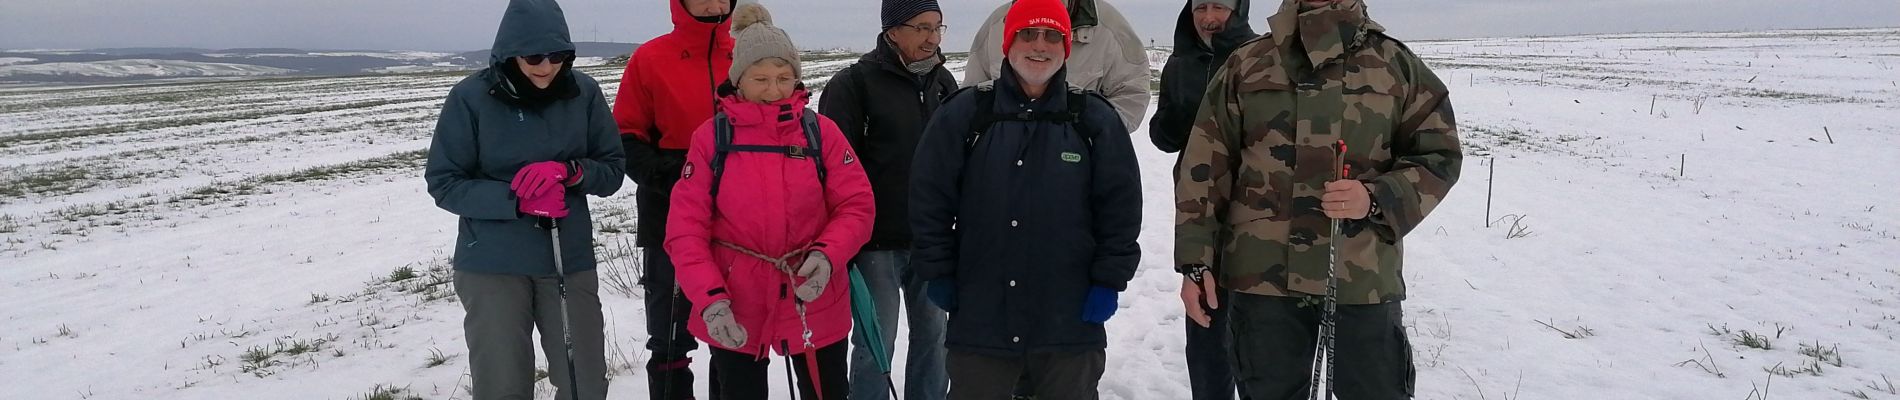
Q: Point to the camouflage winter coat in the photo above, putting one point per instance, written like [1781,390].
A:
[1261,151]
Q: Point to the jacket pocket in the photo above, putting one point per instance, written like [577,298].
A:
[469,238]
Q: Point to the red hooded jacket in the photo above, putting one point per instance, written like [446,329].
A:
[774,205]
[667,89]
[666,92]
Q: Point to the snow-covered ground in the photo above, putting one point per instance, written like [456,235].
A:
[271,238]
[138,68]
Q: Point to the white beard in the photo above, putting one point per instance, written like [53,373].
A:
[1031,76]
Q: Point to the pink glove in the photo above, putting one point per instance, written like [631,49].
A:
[538,178]
[551,205]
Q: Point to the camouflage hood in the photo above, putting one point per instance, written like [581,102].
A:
[1325,33]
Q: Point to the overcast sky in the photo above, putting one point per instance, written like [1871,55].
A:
[455,25]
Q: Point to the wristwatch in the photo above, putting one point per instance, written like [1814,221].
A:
[1193,272]
[1372,211]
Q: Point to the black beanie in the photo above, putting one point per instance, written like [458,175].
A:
[895,12]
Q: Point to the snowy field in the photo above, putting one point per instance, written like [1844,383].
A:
[1673,216]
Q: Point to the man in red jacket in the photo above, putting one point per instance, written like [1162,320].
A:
[667,92]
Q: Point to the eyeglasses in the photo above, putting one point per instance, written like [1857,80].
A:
[1050,36]
[558,57]
[934,30]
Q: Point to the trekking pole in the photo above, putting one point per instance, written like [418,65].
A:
[672,336]
[1323,355]
[567,325]
[791,385]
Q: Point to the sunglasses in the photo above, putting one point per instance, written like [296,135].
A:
[1031,34]
[558,57]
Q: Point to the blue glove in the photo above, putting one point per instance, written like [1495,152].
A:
[943,293]
[1100,305]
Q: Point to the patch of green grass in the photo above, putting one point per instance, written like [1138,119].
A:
[402,274]
[387,392]
[1825,354]
[436,359]
[1752,340]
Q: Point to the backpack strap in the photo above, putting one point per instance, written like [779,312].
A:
[986,115]
[814,143]
[722,146]
[1079,101]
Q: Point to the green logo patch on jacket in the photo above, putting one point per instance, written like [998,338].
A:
[1071,157]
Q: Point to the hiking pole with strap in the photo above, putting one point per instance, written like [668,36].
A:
[567,325]
[1329,313]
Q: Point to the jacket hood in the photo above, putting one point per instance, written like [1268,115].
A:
[1326,34]
[684,23]
[530,27]
[1187,39]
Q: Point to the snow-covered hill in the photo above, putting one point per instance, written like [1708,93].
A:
[1667,216]
[139,67]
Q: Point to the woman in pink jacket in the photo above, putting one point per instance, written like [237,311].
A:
[770,203]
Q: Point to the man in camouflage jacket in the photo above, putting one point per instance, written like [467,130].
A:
[1258,191]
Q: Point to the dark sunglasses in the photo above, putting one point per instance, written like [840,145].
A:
[558,57]
[1048,35]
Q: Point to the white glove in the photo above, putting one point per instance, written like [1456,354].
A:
[817,273]
[722,326]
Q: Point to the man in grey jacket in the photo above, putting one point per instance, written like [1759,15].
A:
[519,143]
[1106,58]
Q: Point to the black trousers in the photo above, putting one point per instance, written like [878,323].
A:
[1066,376]
[744,377]
[1209,361]
[1273,341]
[668,373]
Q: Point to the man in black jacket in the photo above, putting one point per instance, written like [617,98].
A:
[1207,32]
[1025,206]
[881,103]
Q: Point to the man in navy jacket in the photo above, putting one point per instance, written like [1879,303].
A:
[1026,230]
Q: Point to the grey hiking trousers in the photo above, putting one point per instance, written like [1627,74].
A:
[503,313]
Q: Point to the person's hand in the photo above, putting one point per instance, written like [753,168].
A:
[1100,305]
[540,177]
[1198,298]
[549,205]
[1346,199]
[722,325]
[943,293]
[817,274]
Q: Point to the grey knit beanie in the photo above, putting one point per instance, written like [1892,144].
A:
[754,38]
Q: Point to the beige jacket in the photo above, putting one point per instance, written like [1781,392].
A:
[1107,59]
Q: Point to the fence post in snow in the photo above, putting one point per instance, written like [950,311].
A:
[1489,182]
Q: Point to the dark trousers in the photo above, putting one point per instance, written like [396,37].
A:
[668,373]
[1273,341]
[1209,361]
[745,376]
[1067,376]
